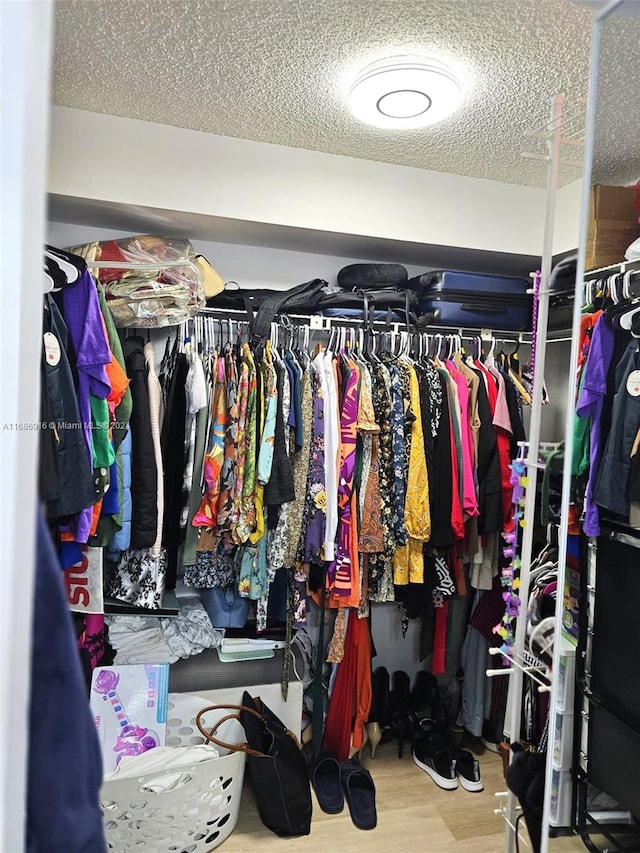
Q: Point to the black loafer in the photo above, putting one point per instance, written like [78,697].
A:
[325,778]
[360,793]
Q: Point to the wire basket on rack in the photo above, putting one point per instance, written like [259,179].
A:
[201,809]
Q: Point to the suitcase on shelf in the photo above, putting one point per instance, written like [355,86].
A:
[474,300]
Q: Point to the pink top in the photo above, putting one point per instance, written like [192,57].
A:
[469,492]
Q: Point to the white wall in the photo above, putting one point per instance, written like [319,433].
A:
[394,651]
[138,163]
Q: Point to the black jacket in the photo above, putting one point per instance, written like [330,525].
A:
[172,442]
[441,485]
[144,472]
[66,481]
[280,488]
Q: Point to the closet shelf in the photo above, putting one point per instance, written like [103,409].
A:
[170,607]
[622,267]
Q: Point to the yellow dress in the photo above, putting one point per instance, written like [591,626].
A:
[408,563]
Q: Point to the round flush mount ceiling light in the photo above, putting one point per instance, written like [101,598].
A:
[404,92]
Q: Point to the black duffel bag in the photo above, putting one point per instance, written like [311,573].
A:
[371,276]
[312,297]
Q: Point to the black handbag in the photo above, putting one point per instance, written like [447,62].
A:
[276,767]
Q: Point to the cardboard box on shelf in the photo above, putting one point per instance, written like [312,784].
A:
[613,225]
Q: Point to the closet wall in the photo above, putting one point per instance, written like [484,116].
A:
[114,166]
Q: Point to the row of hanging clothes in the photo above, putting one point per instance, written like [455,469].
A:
[368,463]
[227,464]
[606,462]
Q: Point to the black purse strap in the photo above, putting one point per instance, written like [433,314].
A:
[303,295]
[209,734]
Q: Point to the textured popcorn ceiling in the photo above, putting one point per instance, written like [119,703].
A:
[278,71]
[616,154]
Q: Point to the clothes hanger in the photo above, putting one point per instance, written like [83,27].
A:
[331,341]
[48,284]
[55,273]
[436,344]
[450,345]
[72,265]
[624,319]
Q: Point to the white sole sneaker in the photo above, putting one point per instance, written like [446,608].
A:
[491,745]
[468,785]
[441,781]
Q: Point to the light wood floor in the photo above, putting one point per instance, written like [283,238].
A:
[413,815]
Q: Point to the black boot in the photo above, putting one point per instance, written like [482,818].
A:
[399,707]
[426,700]
[380,699]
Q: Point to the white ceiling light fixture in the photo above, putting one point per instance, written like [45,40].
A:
[405,92]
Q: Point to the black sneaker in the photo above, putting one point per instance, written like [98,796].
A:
[437,760]
[468,771]
[489,738]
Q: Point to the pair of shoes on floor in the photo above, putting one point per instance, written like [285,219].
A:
[447,767]
[334,782]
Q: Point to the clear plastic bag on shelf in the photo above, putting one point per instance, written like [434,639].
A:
[149,281]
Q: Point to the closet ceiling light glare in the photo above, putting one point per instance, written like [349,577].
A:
[404,92]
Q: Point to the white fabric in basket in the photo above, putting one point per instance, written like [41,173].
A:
[160,759]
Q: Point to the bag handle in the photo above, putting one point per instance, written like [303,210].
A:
[272,305]
[209,735]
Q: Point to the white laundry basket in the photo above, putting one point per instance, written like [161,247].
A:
[196,815]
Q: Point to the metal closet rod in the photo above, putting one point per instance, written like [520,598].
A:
[320,323]
[622,267]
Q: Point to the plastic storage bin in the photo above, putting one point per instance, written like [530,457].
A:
[566,679]
[563,741]
[561,788]
[199,813]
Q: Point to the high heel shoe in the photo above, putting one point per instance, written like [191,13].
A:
[379,714]
[374,733]
[399,706]
[358,751]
